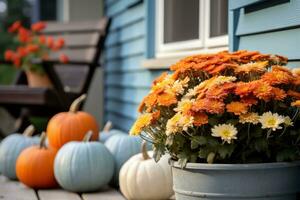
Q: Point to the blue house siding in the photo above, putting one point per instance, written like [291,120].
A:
[126,81]
[270,29]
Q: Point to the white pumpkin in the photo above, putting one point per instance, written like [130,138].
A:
[142,178]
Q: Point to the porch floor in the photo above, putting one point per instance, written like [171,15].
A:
[14,190]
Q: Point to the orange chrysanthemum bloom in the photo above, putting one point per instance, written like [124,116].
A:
[277,77]
[243,89]
[276,68]
[294,94]
[209,105]
[200,119]
[262,90]
[32,48]
[220,91]
[160,78]
[237,108]
[279,94]
[166,99]
[296,103]
[249,100]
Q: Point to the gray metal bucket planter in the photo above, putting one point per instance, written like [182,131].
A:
[272,181]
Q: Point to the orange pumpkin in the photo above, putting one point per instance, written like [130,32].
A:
[71,126]
[35,166]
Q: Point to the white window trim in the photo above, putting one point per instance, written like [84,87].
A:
[202,45]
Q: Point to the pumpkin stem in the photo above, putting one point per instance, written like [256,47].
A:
[107,126]
[43,139]
[88,136]
[29,131]
[76,103]
[144,151]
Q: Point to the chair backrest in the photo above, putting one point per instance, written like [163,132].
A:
[84,42]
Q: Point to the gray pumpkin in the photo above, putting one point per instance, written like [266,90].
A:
[10,149]
[122,146]
[83,166]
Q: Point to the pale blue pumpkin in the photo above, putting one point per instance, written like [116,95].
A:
[105,135]
[83,166]
[122,146]
[11,147]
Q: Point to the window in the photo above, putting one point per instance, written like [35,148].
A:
[185,27]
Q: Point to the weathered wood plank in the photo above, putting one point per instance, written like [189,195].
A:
[57,194]
[13,190]
[106,194]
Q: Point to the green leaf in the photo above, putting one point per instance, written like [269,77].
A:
[225,150]
[213,141]
[170,140]
[213,121]
[197,140]
[158,151]
[232,121]
[261,144]
[286,155]
[203,152]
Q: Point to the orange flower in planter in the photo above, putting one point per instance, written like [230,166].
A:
[8,55]
[39,26]
[32,48]
[60,42]
[63,58]
[14,27]
[32,45]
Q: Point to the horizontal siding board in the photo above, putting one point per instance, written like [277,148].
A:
[120,122]
[141,79]
[125,34]
[130,48]
[130,95]
[119,6]
[285,43]
[125,109]
[131,16]
[277,17]
[234,4]
[294,64]
[131,63]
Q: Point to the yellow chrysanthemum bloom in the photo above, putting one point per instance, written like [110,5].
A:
[184,106]
[143,121]
[271,120]
[250,117]
[227,132]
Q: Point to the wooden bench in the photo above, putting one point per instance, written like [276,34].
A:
[84,42]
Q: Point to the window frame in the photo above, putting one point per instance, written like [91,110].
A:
[182,48]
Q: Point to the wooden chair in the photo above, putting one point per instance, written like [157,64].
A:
[84,42]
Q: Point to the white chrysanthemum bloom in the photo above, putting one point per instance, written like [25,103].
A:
[166,83]
[288,121]
[224,79]
[271,120]
[178,123]
[179,85]
[227,132]
[252,118]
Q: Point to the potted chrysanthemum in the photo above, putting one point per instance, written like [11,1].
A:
[230,122]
